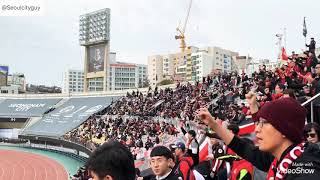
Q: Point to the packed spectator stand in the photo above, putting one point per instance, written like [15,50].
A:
[141,121]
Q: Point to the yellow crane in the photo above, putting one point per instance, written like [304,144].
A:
[182,30]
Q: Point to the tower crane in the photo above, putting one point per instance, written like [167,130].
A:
[181,31]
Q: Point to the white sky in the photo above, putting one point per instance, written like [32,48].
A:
[44,47]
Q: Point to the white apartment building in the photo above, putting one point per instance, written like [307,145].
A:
[124,76]
[168,65]
[142,70]
[210,59]
[17,79]
[155,69]
[13,89]
[73,81]
[223,57]
[202,65]
[192,65]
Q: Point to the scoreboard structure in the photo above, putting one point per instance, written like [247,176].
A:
[94,35]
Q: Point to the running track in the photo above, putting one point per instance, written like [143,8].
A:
[16,165]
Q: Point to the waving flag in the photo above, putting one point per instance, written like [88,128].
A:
[283,54]
[304,27]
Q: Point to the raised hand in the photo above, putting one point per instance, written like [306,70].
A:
[205,116]
[251,98]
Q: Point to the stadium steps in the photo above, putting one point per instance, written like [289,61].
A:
[63,100]
[30,122]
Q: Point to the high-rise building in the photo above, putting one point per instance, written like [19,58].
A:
[155,69]
[17,79]
[126,76]
[73,81]
[191,65]
[222,57]
[9,89]
[4,71]
[202,65]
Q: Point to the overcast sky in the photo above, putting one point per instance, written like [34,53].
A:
[44,47]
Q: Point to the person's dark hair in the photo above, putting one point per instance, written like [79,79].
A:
[192,133]
[281,86]
[290,92]
[138,172]
[161,151]
[310,126]
[213,135]
[157,140]
[234,128]
[113,159]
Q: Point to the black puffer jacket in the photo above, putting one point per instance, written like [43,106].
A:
[171,176]
[306,167]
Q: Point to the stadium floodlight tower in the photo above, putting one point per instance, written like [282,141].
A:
[94,35]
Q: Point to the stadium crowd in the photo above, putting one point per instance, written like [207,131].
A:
[228,98]
[129,131]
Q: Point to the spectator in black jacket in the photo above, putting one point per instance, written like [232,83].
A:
[193,147]
[316,82]
[161,162]
[279,131]
[312,45]
[112,161]
[312,133]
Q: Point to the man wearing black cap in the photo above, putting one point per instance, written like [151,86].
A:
[161,161]
[312,45]
[184,162]
[279,131]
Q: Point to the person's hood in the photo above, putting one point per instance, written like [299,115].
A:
[311,155]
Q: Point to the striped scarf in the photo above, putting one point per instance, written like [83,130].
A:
[278,172]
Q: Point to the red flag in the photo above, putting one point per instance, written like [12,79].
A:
[204,151]
[283,55]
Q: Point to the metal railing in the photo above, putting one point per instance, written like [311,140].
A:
[83,94]
[311,101]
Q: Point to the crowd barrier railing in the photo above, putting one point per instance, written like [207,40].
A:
[312,103]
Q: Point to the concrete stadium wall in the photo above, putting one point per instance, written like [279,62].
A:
[89,94]
[57,142]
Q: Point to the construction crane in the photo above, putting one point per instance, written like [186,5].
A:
[182,30]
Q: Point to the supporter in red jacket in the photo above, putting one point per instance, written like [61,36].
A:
[184,162]
[278,92]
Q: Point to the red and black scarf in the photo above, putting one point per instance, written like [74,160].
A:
[278,172]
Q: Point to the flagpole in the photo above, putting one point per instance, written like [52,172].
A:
[305,42]
[285,37]
[305,31]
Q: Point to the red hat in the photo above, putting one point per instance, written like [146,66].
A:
[287,116]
